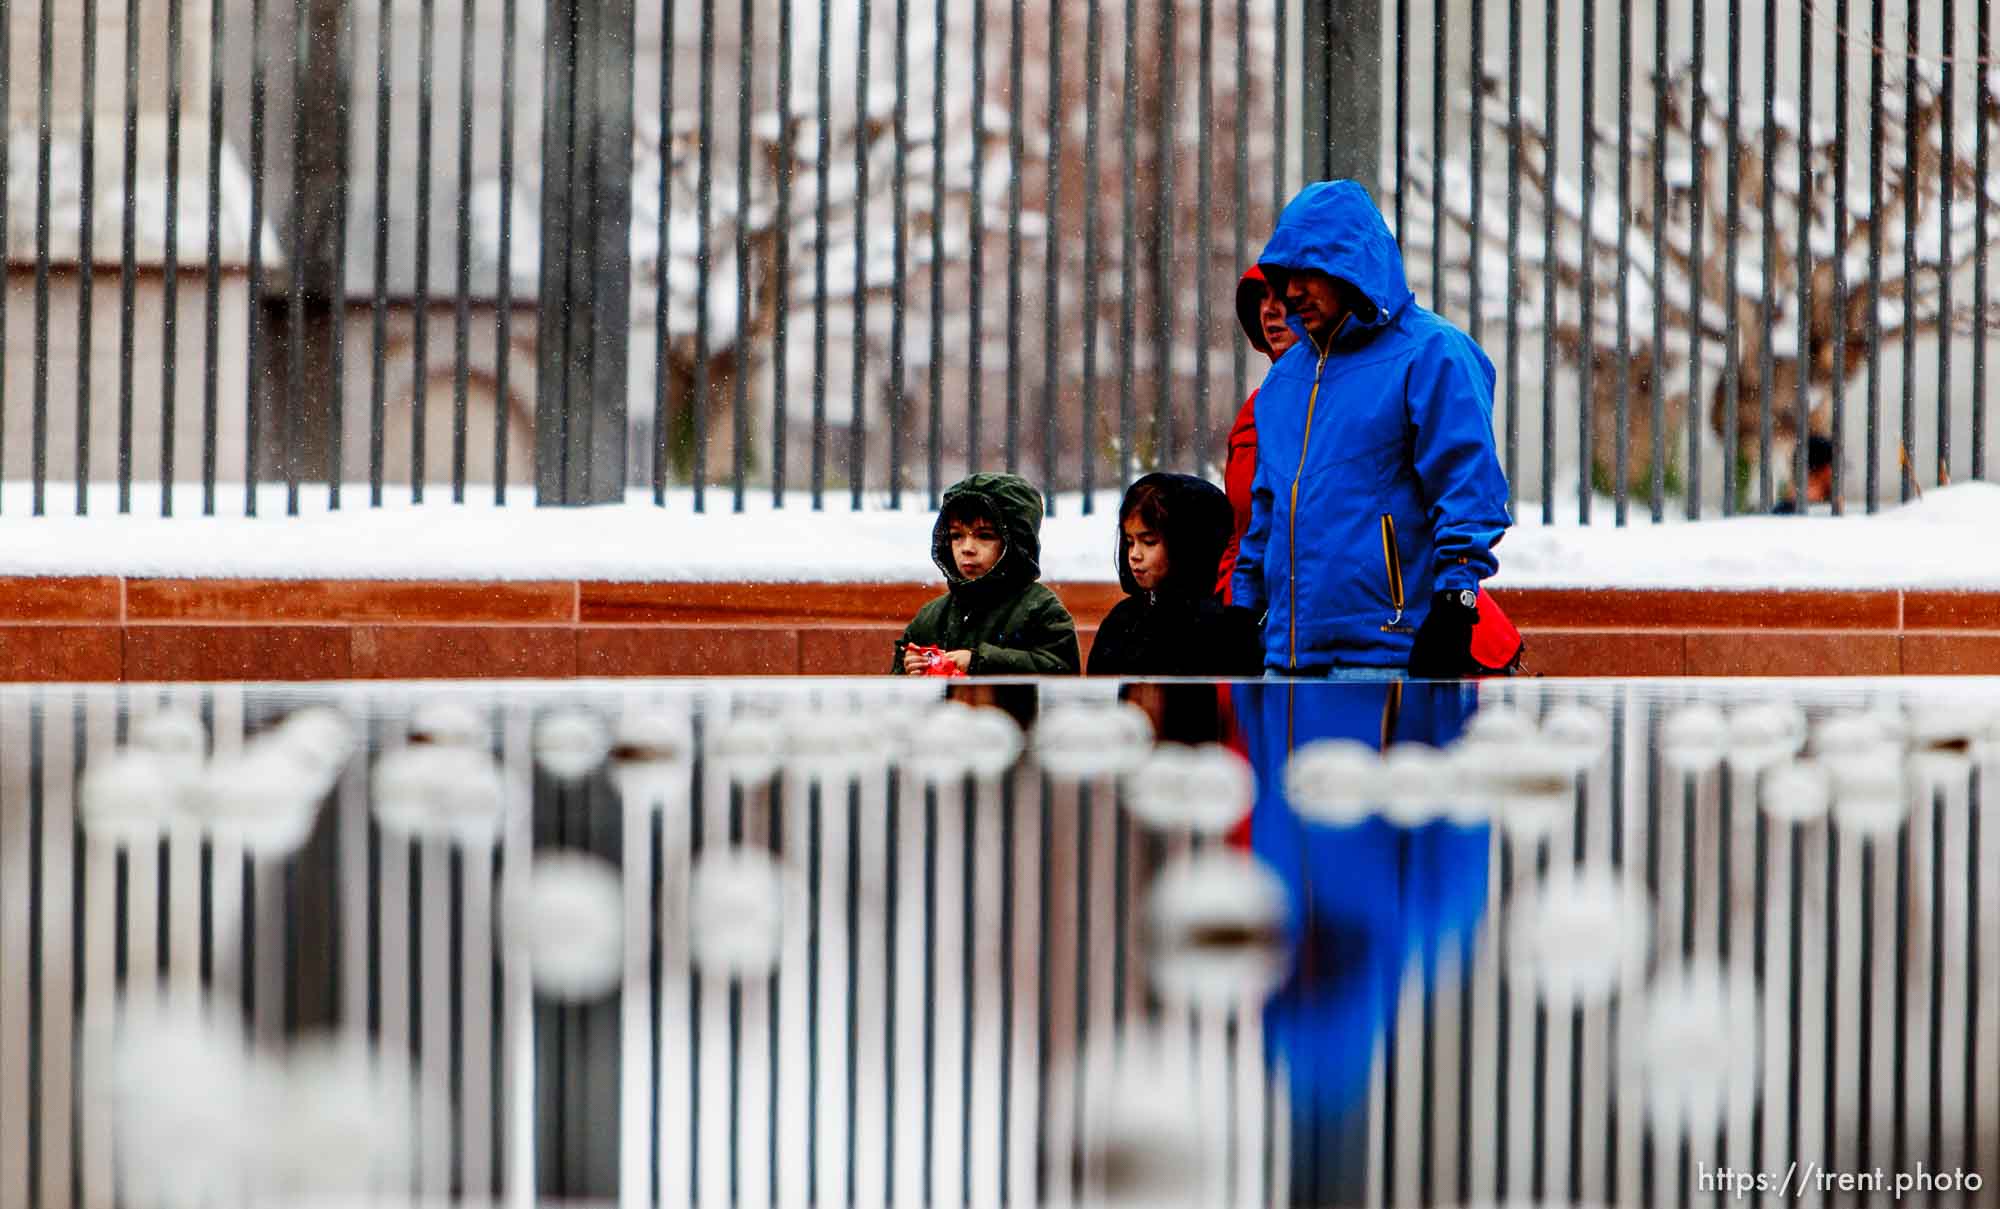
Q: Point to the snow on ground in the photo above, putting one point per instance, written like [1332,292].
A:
[1950,538]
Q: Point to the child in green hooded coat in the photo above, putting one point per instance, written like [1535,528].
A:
[997,619]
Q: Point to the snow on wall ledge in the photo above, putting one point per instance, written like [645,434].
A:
[1949,539]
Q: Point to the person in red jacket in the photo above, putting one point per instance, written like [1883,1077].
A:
[1496,644]
[1262,313]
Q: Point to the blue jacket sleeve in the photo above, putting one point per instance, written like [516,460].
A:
[1246,587]
[1451,410]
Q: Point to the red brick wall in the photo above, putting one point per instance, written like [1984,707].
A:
[110,628]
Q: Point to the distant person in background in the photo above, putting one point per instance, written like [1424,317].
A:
[1377,496]
[1261,311]
[1819,478]
[1171,532]
[996,618]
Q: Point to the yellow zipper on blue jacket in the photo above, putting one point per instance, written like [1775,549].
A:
[1305,442]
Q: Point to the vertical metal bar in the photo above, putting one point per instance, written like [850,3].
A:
[1015,149]
[1549,268]
[1587,292]
[1092,77]
[1656,370]
[1946,185]
[1804,266]
[1440,77]
[44,136]
[1768,231]
[930,935]
[86,258]
[1051,262]
[1402,116]
[1204,187]
[462,318]
[212,300]
[703,189]
[295,315]
[253,357]
[1165,166]
[1906,454]
[663,274]
[1731,205]
[781,254]
[1005,1149]
[1980,204]
[1900,1041]
[892,880]
[1281,124]
[1315,61]
[1865,1031]
[1974,802]
[1513,438]
[377,403]
[740,405]
[553,415]
[503,337]
[336,300]
[128,252]
[420,304]
[1934,1122]
[856,464]
[975,360]
[1622,441]
[1476,155]
[853,1017]
[1874,324]
[1697,225]
[899,258]
[1839,264]
[937,266]
[821,165]
[1241,195]
[171,263]
[1128,252]
[1830,1116]
[968,939]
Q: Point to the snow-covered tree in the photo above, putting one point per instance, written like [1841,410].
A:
[1166,287]
[1926,205]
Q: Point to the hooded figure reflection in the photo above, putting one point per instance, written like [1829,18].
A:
[1368,902]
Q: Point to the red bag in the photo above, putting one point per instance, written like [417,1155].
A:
[1496,644]
[936,662]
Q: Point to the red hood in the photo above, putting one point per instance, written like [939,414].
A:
[1249,294]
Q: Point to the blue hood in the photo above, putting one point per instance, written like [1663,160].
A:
[1335,227]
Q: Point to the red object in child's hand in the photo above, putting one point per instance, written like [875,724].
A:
[936,662]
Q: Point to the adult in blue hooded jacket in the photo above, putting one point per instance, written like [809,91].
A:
[1378,497]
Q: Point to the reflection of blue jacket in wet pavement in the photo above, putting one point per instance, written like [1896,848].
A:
[1394,418]
[1367,900]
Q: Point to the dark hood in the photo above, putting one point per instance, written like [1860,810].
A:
[1015,504]
[1334,227]
[1199,522]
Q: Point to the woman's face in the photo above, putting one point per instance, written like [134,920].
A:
[1271,317]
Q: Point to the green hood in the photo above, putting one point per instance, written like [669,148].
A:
[1016,505]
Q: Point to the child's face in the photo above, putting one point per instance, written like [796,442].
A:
[1145,553]
[1271,317]
[975,545]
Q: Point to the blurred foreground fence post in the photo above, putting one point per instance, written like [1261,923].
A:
[584,331]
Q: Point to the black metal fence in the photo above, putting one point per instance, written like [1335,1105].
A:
[962,967]
[845,249]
